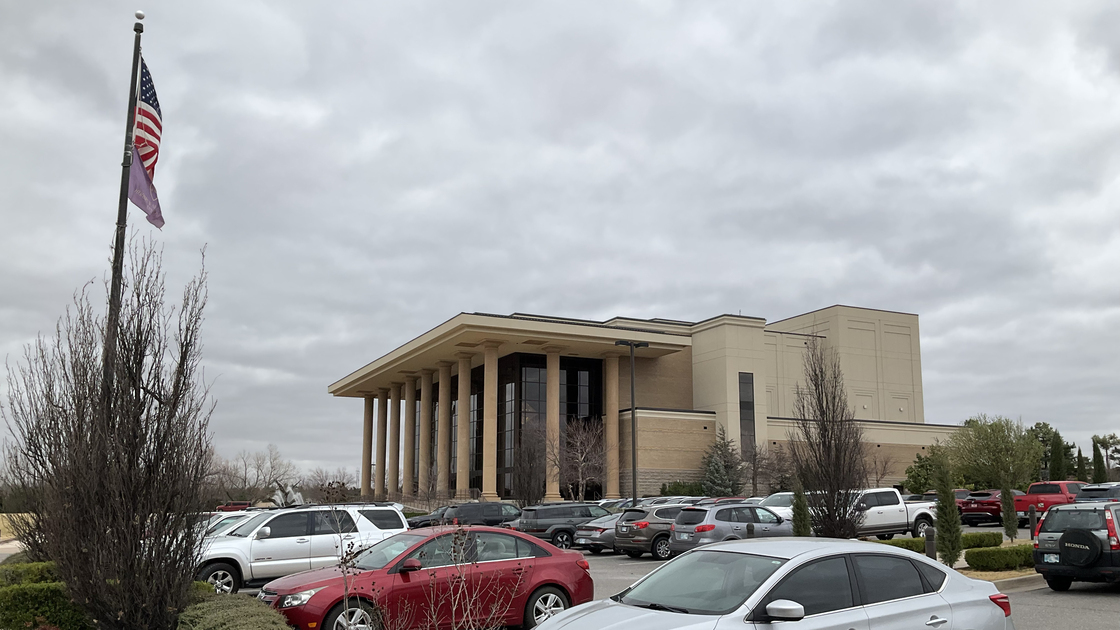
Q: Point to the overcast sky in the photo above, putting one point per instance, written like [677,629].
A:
[362,171]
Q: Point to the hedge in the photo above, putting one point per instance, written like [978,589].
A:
[1000,558]
[27,573]
[976,540]
[231,612]
[26,606]
[913,544]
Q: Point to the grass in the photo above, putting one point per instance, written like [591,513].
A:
[992,576]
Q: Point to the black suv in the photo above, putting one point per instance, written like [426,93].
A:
[1078,542]
[493,514]
[1098,492]
[557,522]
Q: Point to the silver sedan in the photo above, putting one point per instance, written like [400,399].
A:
[805,583]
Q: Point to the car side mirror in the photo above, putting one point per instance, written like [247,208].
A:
[412,564]
[785,610]
[861,507]
[263,533]
[780,519]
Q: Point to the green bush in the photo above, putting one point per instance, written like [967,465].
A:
[28,573]
[1000,558]
[231,612]
[913,544]
[36,605]
[16,558]
[976,540]
[682,488]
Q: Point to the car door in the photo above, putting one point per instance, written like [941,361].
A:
[509,513]
[766,523]
[286,550]
[824,588]
[333,534]
[500,579]
[892,509]
[426,598]
[895,597]
[727,524]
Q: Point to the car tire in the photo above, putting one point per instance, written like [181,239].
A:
[885,536]
[920,525]
[595,551]
[225,578]
[634,554]
[562,540]
[544,603]
[660,548]
[359,614]
[1079,547]
[1060,584]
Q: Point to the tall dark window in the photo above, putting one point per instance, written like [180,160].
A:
[533,392]
[506,443]
[416,445]
[476,441]
[452,476]
[433,457]
[746,411]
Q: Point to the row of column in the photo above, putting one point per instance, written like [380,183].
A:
[386,464]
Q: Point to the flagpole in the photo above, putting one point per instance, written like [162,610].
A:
[109,356]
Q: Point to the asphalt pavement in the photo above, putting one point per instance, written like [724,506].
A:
[1084,605]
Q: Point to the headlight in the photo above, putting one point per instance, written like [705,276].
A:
[298,599]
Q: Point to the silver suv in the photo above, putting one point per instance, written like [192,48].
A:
[701,525]
[276,543]
[1078,542]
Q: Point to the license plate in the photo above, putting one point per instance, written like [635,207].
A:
[682,536]
[1051,558]
[623,529]
[1021,514]
[582,541]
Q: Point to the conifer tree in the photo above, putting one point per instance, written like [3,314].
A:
[723,467]
[1082,473]
[948,516]
[1007,508]
[802,525]
[1058,470]
[1100,473]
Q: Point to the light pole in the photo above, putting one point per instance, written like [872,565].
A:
[633,419]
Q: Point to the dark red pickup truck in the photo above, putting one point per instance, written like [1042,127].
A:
[1044,494]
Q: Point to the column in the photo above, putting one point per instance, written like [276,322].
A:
[382,427]
[393,459]
[409,435]
[610,426]
[425,466]
[443,430]
[490,421]
[367,448]
[463,428]
[552,425]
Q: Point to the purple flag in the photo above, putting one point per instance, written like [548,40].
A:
[142,193]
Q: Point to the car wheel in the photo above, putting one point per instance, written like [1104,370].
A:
[595,550]
[360,615]
[543,604]
[634,554]
[1060,584]
[223,577]
[660,549]
[885,536]
[920,527]
[1079,547]
[562,540]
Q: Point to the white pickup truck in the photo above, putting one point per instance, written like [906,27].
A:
[886,514]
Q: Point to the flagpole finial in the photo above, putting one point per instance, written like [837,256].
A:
[139,15]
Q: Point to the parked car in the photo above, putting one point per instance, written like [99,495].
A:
[598,535]
[885,514]
[225,521]
[780,503]
[984,506]
[719,500]
[960,494]
[1109,492]
[1078,542]
[276,543]
[234,506]
[517,582]
[828,583]
[557,522]
[425,520]
[1045,495]
[493,514]
[645,530]
[702,525]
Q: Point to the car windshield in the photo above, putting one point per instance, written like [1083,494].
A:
[689,516]
[1061,520]
[703,583]
[961,494]
[1087,492]
[384,552]
[778,500]
[223,524]
[247,528]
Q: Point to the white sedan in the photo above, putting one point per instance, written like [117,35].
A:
[803,583]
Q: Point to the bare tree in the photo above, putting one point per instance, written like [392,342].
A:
[879,465]
[827,446]
[756,464]
[117,478]
[529,464]
[254,476]
[325,486]
[579,457]
[780,473]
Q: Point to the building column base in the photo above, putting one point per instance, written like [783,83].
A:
[612,495]
[491,496]
[553,498]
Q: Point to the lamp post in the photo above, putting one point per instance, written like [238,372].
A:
[633,419]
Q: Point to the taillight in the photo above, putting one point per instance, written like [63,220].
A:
[704,528]
[1001,600]
[1113,541]
[1037,529]
[672,527]
[641,525]
[581,563]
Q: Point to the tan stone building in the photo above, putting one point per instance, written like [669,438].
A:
[732,371]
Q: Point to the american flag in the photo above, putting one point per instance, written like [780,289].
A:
[149,122]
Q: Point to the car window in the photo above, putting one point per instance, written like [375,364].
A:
[726,515]
[762,515]
[581,511]
[631,515]
[778,500]
[510,511]
[886,498]
[885,578]
[288,525]
[526,549]
[491,547]
[551,513]
[597,511]
[224,523]
[334,522]
[247,527]
[820,587]
[492,510]
[1073,487]
[934,577]
[443,551]
[691,517]
[668,513]
[704,582]
[385,551]
[1061,520]
[1044,488]
[1091,492]
[744,515]
[961,494]
[384,519]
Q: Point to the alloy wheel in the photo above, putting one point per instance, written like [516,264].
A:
[661,549]
[356,618]
[222,581]
[547,605]
[563,540]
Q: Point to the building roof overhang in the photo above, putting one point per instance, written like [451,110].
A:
[471,332]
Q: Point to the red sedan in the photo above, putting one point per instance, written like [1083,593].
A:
[438,577]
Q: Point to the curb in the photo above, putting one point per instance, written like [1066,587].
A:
[1024,583]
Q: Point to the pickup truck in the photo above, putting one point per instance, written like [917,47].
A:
[885,514]
[1045,494]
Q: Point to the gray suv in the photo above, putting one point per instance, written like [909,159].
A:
[1078,542]
[557,522]
[1098,492]
[646,529]
[701,525]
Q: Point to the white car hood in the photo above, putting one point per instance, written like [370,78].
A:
[609,615]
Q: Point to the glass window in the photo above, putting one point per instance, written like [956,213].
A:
[764,516]
[598,512]
[885,578]
[1044,488]
[691,517]
[385,551]
[726,515]
[384,519]
[820,587]
[1061,520]
[510,511]
[934,577]
[744,515]
[247,528]
[629,516]
[288,525]
[443,551]
[668,513]
[334,522]
[494,547]
[885,498]
[778,500]
[580,511]
[703,582]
